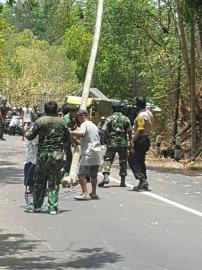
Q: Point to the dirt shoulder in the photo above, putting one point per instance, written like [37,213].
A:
[171,166]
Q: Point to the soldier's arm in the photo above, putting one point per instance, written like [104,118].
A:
[104,127]
[33,132]
[66,136]
[128,127]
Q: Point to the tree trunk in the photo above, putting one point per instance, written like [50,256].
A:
[183,42]
[193,87]
[177,103]
[184,130]
[91,63]
[190,68]
[200,35]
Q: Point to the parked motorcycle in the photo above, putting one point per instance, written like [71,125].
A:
[16,126]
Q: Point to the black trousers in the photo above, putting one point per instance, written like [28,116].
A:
[136,158]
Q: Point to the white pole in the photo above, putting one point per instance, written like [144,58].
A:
[91,63]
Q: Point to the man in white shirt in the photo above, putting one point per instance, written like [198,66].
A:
[30,161]
[26,115]
[90,155]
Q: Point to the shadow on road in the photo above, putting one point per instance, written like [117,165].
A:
[10,174]
[7,163]
[20,253]
[93,258]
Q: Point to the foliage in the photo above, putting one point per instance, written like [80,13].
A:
[46,18]
[49,42]
[77,44]
[36,70]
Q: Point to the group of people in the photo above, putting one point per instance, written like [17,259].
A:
[57,135]
[13,119]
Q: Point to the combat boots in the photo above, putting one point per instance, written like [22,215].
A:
[123,183]
[142,186]
[104,181]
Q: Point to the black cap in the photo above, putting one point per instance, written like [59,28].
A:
[73,107]
[82,112]
[116,106]
[140,102]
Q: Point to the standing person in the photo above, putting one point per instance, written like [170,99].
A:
[141,144]
[26,116]
[14,124]
[30,159]
[119,131]
[90,155]
[53,133]
[70,117]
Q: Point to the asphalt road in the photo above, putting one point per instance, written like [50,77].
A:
[158,230]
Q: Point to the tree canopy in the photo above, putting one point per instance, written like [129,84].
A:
[145,48]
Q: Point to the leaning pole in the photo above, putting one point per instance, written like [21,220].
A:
[91,63]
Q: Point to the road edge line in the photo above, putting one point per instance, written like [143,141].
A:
[163,199]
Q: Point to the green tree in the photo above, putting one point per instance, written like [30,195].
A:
[47,19]
[34,68]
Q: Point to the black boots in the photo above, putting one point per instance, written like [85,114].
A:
[104,181]
[143,186]
[123,183]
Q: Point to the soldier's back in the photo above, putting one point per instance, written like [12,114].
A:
[118,126]
[53,133]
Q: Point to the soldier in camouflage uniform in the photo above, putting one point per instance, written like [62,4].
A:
[70,117]
[118,129]
[53,133]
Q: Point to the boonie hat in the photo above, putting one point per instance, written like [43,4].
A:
[82,112]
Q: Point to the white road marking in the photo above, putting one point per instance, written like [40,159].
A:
[160,198]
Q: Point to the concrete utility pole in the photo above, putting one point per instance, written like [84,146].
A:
[91,63]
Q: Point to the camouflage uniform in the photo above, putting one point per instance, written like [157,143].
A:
[53,133]
[117,127]
[71,124]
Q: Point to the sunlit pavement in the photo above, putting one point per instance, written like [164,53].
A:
[122,230]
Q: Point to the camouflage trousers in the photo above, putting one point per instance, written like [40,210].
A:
[109,158]
[1,129]
[47,178]
[68,159]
